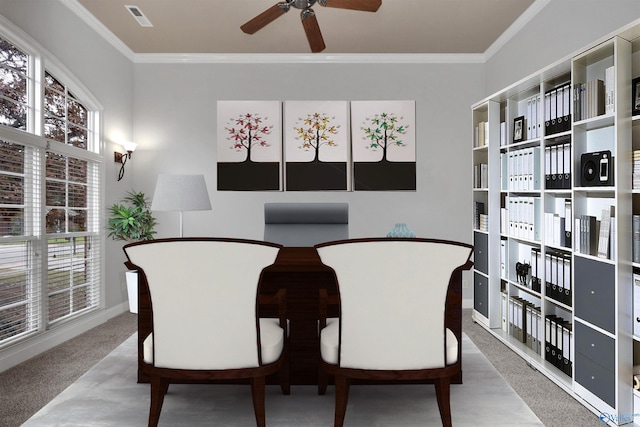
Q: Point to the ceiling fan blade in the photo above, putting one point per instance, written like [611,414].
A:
[364,5]
[312,30]
[265,18]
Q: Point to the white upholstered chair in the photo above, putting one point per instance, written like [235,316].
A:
[204,303]
[392,295]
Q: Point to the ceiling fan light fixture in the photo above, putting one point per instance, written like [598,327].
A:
[308,17]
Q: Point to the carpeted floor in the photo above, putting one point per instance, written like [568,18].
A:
[30,386]
[109,395]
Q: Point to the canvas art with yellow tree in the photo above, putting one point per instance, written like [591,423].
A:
[317,145]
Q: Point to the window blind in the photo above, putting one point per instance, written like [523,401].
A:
[20,281]
[72,229]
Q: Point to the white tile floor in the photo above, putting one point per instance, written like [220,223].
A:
[108,395]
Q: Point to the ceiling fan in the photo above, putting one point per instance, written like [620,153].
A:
[308,16]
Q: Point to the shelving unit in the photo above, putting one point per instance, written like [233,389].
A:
[553,275]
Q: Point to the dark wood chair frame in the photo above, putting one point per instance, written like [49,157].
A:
[161,378]
[441,377]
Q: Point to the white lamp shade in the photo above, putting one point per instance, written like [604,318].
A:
[129,146]
[180,193]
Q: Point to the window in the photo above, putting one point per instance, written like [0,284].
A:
[50,187]
[14,82]
[65,117]
[20,283]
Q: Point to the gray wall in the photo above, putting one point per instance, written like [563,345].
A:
[560,29]
[175,123]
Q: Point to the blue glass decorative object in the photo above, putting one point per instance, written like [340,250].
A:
[401,230]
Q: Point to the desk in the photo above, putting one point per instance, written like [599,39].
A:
[300,271]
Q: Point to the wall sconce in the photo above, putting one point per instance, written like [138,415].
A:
[130,147]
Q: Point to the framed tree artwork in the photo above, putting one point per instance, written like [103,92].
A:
[635,96]
[249,145]
[383,145]
[316,145]
[518,129]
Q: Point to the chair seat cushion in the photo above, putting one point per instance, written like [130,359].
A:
[329,339]
[271,341]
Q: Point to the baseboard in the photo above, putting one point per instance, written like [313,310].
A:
[467,303]
[25,350]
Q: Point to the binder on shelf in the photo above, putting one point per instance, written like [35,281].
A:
[567,164]
[636,303]
[550,338]
[566,277]
[539,330]
[568,217]
[554,166]
[560,180]
[547,167]
[577,102]
[529,323]
[553,289]
[534,117]
[504,304]
[566,107]
[518,317]
[553,128]
[529,119]
[566,357]
[503,258]
[547,113]
[557,361]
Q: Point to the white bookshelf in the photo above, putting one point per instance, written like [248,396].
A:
[588,297]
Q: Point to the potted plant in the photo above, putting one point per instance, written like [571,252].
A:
[131,220]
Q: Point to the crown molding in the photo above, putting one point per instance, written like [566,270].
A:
[515,27]
[274,58]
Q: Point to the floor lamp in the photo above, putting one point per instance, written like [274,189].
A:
[180,193]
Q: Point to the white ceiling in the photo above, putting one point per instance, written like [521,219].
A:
[398,27]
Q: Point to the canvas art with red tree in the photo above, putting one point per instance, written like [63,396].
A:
[249,152]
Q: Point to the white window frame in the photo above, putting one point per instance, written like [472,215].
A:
[35,231]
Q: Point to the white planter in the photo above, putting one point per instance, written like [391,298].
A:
[132,290]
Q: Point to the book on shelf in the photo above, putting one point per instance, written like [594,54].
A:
[609,86]
[484,222]
[605,232]
[588,234]
[481,134]
[480,175]
[635,228]
[478,211]
[589,99]
[636,170]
